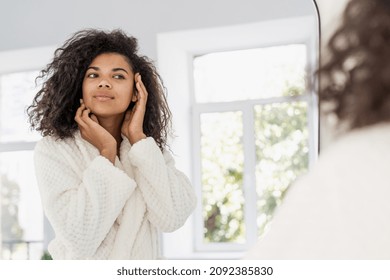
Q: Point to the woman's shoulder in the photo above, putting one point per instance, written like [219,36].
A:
[50,143]
[358,143]
[359,155]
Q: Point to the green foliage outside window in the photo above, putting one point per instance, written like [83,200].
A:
[282,153]
[10,195]
[222,177]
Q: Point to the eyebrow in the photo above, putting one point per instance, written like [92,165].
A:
[113,70]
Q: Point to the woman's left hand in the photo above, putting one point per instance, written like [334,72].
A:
[132,126]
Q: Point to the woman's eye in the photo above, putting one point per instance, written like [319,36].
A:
[118,76]
[92,75]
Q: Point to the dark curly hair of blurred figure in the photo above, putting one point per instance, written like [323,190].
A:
[356,77]
[55,105]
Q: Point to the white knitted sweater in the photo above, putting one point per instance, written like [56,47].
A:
[102,211]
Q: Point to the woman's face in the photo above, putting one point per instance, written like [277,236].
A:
[108,85]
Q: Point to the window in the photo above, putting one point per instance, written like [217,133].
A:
[21,215]
[233,138]
[251,130]
[23,229]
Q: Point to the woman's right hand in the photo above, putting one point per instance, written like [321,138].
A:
[95,134]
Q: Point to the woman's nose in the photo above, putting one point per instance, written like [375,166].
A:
[104,84]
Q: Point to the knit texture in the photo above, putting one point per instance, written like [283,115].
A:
[103,211]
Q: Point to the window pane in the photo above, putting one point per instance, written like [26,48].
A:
[16,94]
[222,174]
[282,153]
[250,74]
[21,213]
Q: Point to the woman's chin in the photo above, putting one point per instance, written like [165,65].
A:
[107,114]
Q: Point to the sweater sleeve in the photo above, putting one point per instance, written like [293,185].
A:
[167,192]
[81,207]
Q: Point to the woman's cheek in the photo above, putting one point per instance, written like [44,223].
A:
[87,98]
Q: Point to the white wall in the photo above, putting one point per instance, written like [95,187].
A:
[36,23]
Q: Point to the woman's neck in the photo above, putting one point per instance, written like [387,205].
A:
[113,125]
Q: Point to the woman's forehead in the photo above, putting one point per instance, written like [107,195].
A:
[113,60]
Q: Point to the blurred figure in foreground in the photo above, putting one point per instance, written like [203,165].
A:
[341,209]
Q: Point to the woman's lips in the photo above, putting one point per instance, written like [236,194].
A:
[103,98]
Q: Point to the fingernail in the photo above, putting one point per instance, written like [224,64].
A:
[81,101]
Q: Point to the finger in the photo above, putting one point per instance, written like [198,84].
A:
[80,122]
[80,110]
[136,81]
[85,113]
[86,117]
[94,118]
[138,112]
[142,85]
[127,116]
[142,94]
[78,115]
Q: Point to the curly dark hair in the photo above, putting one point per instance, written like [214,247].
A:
[357,74]
[55,105]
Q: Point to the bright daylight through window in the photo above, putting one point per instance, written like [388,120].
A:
[252,109]
[21,210]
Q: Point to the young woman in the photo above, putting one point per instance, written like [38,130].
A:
[108,185]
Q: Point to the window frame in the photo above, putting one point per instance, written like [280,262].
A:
[25,60]
[249,180]
[181,47]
